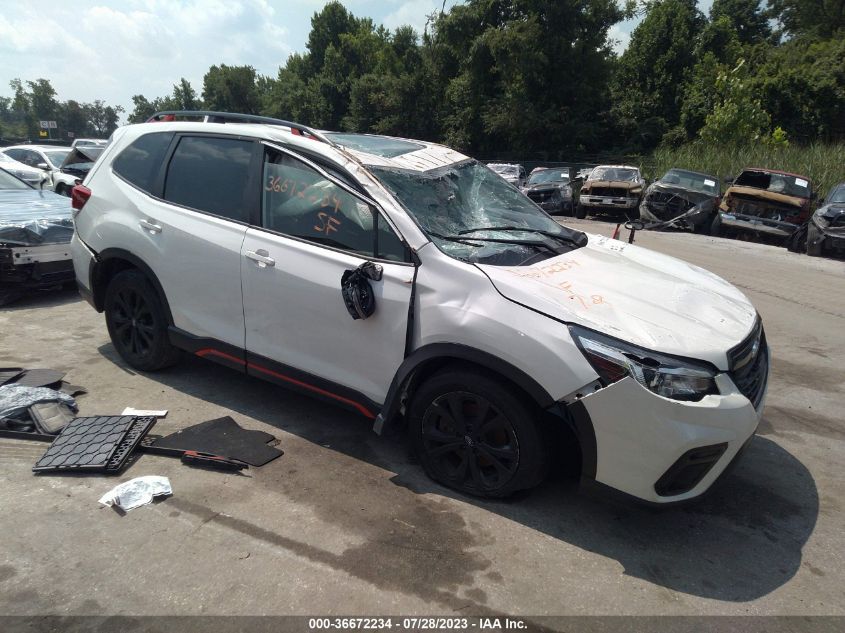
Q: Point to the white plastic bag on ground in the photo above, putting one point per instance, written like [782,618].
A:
[137,492]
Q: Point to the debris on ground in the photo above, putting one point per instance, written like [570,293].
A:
[100,444]
[223,437]
[137,492]
[147,413]
[16,400]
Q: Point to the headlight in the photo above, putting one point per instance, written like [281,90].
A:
[634,193]
[670,377]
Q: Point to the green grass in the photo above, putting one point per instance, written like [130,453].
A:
[824,165]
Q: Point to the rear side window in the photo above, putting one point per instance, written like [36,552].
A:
[140,162]
[210,174]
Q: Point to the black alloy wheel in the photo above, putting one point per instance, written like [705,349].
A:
[470,442]
[133,321]
[476,433]
[137,322]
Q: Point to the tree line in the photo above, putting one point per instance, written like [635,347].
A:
[537,78]
[36,101]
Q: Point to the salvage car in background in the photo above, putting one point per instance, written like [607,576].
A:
[90,142]
[80,160]
[765,202]
[612,189]
[47,158]
[514,174]
[676,194]
[826,230]
[35,231]
[407,282]
[550,189]
[31,175]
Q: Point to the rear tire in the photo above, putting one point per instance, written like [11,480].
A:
[472,433]
[137,322]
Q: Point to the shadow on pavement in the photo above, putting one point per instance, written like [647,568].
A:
[741,542]
[48,298]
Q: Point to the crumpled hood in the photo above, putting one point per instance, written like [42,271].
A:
[762,194]
[831,219]
[634,294]
[682,192]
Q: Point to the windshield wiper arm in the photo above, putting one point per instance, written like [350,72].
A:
[556,236]
[468,241]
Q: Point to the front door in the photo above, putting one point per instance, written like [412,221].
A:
[313,228]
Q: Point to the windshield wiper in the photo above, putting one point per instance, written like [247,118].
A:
[468,241]
[556,236]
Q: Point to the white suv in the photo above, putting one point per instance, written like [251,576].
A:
[408,282]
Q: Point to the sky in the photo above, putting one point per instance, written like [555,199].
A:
[113,49]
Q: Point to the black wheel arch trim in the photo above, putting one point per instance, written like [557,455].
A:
[456,352]
[582,424]
[108,254]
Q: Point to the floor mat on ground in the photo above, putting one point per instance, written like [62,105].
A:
[224,437]
[39,377]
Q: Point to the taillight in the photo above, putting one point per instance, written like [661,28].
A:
[78,197]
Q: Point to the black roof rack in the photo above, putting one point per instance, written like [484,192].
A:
[209,116]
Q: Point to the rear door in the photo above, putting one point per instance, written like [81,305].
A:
[190,232]
[313,227]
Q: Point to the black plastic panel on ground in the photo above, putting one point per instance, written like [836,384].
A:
[95,444]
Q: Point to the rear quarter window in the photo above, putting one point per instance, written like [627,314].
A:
[140,162]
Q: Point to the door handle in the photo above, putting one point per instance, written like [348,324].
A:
[262,257]
[150,225]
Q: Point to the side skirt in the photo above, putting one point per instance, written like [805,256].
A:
[273,371]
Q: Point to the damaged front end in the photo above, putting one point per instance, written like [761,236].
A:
[826,231]
[663,203]
[35,232]
[766,203]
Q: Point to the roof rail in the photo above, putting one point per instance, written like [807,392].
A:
[209,116]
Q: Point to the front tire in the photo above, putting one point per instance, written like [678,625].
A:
[63,190]
[815,241]
[137,322]
[716,225]
[473,434]
[580,211]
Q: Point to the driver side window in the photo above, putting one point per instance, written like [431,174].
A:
[298,201]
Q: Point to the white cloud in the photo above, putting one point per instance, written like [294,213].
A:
[415,13]
[114,50]
[620,35]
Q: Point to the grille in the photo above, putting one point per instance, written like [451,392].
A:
[543,196]
[610,192]
[749,362]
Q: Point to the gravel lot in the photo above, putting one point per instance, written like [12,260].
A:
[346,523]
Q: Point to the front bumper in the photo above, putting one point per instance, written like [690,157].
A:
[605,202]
[757,224]
[640,437]
[658,212]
